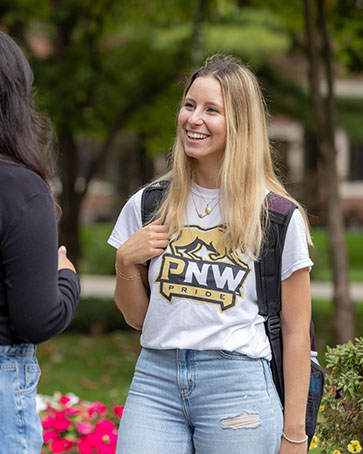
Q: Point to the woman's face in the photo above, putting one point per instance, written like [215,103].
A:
[202,122]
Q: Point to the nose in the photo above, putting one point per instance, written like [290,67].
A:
[195,117]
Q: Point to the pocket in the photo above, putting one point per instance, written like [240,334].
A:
[31,377]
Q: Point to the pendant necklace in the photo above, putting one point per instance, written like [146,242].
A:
[208,208]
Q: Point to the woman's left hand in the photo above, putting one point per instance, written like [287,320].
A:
[292,448]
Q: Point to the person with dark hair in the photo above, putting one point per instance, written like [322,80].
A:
[203,383]
[39,287]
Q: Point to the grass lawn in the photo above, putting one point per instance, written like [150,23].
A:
[95,368]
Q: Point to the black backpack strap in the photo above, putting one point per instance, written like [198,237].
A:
[268,279]
[268,267]
[151,199]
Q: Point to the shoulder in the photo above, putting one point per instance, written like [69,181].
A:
[17,181]
[21,192]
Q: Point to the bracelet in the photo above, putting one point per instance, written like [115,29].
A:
[296,442]
[130,277]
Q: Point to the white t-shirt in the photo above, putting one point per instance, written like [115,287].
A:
[200,298]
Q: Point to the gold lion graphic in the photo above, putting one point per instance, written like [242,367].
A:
[195,268]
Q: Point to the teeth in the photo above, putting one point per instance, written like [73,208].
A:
[195,135]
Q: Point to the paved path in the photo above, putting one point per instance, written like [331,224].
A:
[103,287]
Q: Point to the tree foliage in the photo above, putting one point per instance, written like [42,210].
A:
[108,66]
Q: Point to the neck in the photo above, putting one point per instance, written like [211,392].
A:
[206,176]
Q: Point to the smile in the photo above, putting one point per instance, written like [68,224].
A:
[197,135]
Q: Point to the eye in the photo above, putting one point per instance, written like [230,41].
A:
[212,110]
[189,105]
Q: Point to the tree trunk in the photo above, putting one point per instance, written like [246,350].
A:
[70,200]
[343,304]
[197,38]
[325,116]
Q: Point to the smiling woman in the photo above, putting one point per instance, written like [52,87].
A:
[202,382]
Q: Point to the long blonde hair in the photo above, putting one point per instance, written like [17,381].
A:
[247,168]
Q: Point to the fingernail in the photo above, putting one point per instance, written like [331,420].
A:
[63,249]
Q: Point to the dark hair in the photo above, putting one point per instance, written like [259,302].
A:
[26,136]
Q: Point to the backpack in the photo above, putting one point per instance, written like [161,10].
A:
[268,285]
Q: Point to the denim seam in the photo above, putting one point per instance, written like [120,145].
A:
[19,409]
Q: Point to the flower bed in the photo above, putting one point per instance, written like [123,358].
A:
[72,426]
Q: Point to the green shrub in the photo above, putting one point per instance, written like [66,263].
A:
[340,420]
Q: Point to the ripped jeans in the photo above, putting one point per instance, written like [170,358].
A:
[200,402]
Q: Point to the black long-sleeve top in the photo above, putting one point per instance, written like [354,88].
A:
[36,300]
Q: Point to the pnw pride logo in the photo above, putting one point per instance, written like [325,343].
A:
[193,268]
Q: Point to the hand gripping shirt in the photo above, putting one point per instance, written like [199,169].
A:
[201,297]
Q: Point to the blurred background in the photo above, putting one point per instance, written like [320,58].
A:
[110,75]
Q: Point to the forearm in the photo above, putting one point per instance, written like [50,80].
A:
[295,321]
[296,359]
[131,294]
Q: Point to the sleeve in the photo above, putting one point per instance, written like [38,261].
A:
[295,255]
[41,299]
[128,222]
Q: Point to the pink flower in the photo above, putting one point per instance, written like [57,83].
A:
[48,422]
[87,443]
[105,427]
[58,421]
[106,443]
[71,411]
[64,400]
[50,435]
[84,428]
[61,445]
[118,410]
[97,408]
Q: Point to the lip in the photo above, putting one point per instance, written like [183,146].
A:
[195,140]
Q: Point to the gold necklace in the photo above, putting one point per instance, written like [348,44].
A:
[208,208]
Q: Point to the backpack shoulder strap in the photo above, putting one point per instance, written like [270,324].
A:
[151,199]
[268,267]
[268,279]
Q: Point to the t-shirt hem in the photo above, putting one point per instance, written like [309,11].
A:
[113,242]
[297,266]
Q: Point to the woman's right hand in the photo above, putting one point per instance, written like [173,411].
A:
[63,260]
[143,245]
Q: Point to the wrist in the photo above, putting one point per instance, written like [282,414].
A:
[129,275]
[295,430]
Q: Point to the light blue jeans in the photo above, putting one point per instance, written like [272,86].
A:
[20,427]
[200,402]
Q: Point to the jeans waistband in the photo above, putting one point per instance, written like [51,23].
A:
[18,349]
